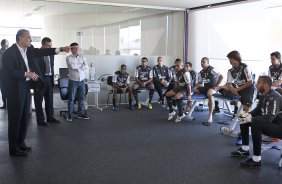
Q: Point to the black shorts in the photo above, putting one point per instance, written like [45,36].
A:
[204,90]
[180,89]
[248,95]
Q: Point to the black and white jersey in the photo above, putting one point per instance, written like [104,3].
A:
[160,73]
[121,79]
[172,72]
[143,74]
[208,76]
[275,73]
[269,108]
[239,76]
[183,77]
[193,78]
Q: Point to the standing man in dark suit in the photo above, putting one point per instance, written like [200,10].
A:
[46,65]
[4,47]
[20,70]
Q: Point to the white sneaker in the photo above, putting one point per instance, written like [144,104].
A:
[174,108]
[178,119]
[170,115]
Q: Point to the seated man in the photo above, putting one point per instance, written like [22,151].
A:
[275,71]
[121,81]
[143,78]
[193,73]
[182,88]
[161,77]
[208,81]
[265,119]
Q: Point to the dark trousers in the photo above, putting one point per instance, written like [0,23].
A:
[18,115]
[158,87]
[47,93]
[3,87]
[271,129]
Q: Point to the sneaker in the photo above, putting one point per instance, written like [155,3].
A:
[170,115]
[179,118]
[115,108]
[69,119]
[138,105]
[150,106]
[240,153]
[163,104]
[131,107]
[174,108]
[251,163]
[83,117]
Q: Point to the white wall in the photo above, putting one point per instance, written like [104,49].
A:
[215,32]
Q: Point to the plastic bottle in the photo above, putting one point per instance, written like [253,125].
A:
[92,73]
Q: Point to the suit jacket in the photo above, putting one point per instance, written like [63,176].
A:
[15,68]
[42,66]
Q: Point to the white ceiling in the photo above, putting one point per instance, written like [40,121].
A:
[177,4]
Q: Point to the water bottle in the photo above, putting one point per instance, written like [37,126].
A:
[92,73]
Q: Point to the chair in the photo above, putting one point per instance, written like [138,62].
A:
[227,100]
[196,98]
[110,83]
[63,72]
[63,83]
[273,144]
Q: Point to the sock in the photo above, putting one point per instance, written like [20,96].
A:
[216,103]
[256,158]
[169,103]
[135,94]
[246,148]
[151,94]
[235,110]
[173,102]
[114,102]
[179,105]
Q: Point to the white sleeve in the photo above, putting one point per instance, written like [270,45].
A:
[269,74]
[114,78]
[187,77]
[71,64]
[128,80]
[280,77]
[151,74]
[136,73]
[248,74]
[199,77]
[85,64]
[229,77]
[215,72]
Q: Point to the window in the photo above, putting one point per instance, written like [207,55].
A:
[130,40]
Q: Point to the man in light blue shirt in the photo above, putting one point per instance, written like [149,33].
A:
[77,66]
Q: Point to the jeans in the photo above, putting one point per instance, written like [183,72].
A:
[76,91]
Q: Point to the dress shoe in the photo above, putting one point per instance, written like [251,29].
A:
[17,153]
[43,123]
[53,120]
[25,148]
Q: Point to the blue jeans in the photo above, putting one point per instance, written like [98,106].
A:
[76,91]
